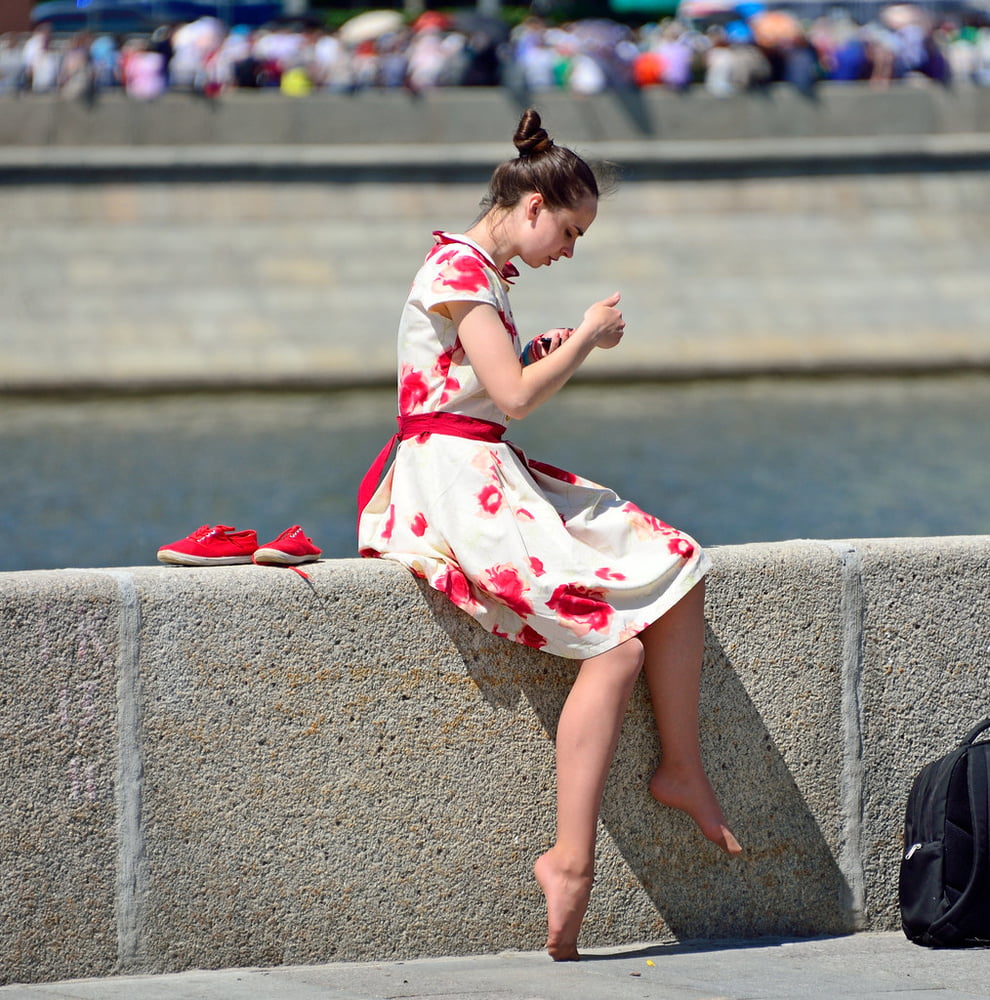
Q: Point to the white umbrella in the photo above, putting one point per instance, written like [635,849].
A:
[689,10]
[370,25]
[901,15]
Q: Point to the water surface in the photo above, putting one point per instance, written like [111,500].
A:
[104,482]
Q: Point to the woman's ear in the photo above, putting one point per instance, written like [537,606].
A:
[534,204]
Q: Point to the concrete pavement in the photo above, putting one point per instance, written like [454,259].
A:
[858,966]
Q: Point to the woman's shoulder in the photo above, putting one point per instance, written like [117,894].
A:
[448,247]
[456,268]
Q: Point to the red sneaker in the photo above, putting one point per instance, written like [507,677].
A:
[219,545]
[289,549]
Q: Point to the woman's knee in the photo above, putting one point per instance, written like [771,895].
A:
[626,661]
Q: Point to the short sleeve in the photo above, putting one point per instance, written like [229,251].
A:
[454,273]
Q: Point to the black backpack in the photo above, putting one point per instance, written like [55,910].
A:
[945,870]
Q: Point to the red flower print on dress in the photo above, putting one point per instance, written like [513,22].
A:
[524,515]
[490,500]
[487,463]
[680,546]
[442,252]
[389,523]
[418,525]
[609,574]
[631,630]
[530,637]
[536,565]
[507,587]
[452,582]
[442,370]
[463,274]
[581,609]
[413,390]
[646,524]
[449,385]
[454,356]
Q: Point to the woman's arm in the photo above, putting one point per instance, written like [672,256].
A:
[518,390]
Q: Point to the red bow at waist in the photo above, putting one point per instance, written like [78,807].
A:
[453,424]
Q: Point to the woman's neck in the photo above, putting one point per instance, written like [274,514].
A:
[491,236]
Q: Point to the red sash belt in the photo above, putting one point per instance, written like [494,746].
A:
[453,424]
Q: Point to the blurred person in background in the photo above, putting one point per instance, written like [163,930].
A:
[676,57]
[104,54]
[483,60]
[280,50]
[331,63]
[40,61]
[393,65]
[364,65]
[234,59]
[161,42]
[733,63]
[585,75]
[11,64]
[76,77]
[799,66]
[143,70]
[981,60]
[840,47]
[534,59]
[429,58]
[192,44]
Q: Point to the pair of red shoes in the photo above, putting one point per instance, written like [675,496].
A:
[222,545]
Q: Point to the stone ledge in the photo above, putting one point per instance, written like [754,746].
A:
[238,766]
[470,115]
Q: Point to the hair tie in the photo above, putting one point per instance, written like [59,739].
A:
[543,145]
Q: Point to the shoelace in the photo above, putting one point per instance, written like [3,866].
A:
[201,534]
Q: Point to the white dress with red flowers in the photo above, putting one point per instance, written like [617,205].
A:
[535,554]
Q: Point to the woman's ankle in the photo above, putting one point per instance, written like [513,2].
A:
[569,862]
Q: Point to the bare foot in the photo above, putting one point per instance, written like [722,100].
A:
[567,895]
[692,793]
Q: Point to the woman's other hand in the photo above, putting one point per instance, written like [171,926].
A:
[603,322]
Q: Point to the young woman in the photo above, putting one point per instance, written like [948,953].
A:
[535,554]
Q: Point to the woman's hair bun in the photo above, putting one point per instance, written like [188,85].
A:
[555,172]
[531,137]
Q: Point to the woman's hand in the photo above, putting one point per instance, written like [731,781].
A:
[603,322]
[542,346]
[518,389]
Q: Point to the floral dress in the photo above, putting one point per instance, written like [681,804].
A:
[535,554]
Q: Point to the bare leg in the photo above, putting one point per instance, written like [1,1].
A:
[675,646]
[587,735]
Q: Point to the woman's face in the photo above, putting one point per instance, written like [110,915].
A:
[550,233]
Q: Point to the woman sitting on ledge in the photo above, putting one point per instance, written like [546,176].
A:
[535,554]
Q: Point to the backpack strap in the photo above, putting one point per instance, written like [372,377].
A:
[945,930]
[970,737]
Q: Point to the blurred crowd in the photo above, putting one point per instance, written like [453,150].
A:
[738,51]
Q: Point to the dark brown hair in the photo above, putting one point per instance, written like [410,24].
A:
[556,172]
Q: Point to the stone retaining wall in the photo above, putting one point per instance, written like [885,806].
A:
[477,114]
[239,766]
[158,284]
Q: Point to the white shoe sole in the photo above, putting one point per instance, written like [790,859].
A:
[184,559]
[280,558]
